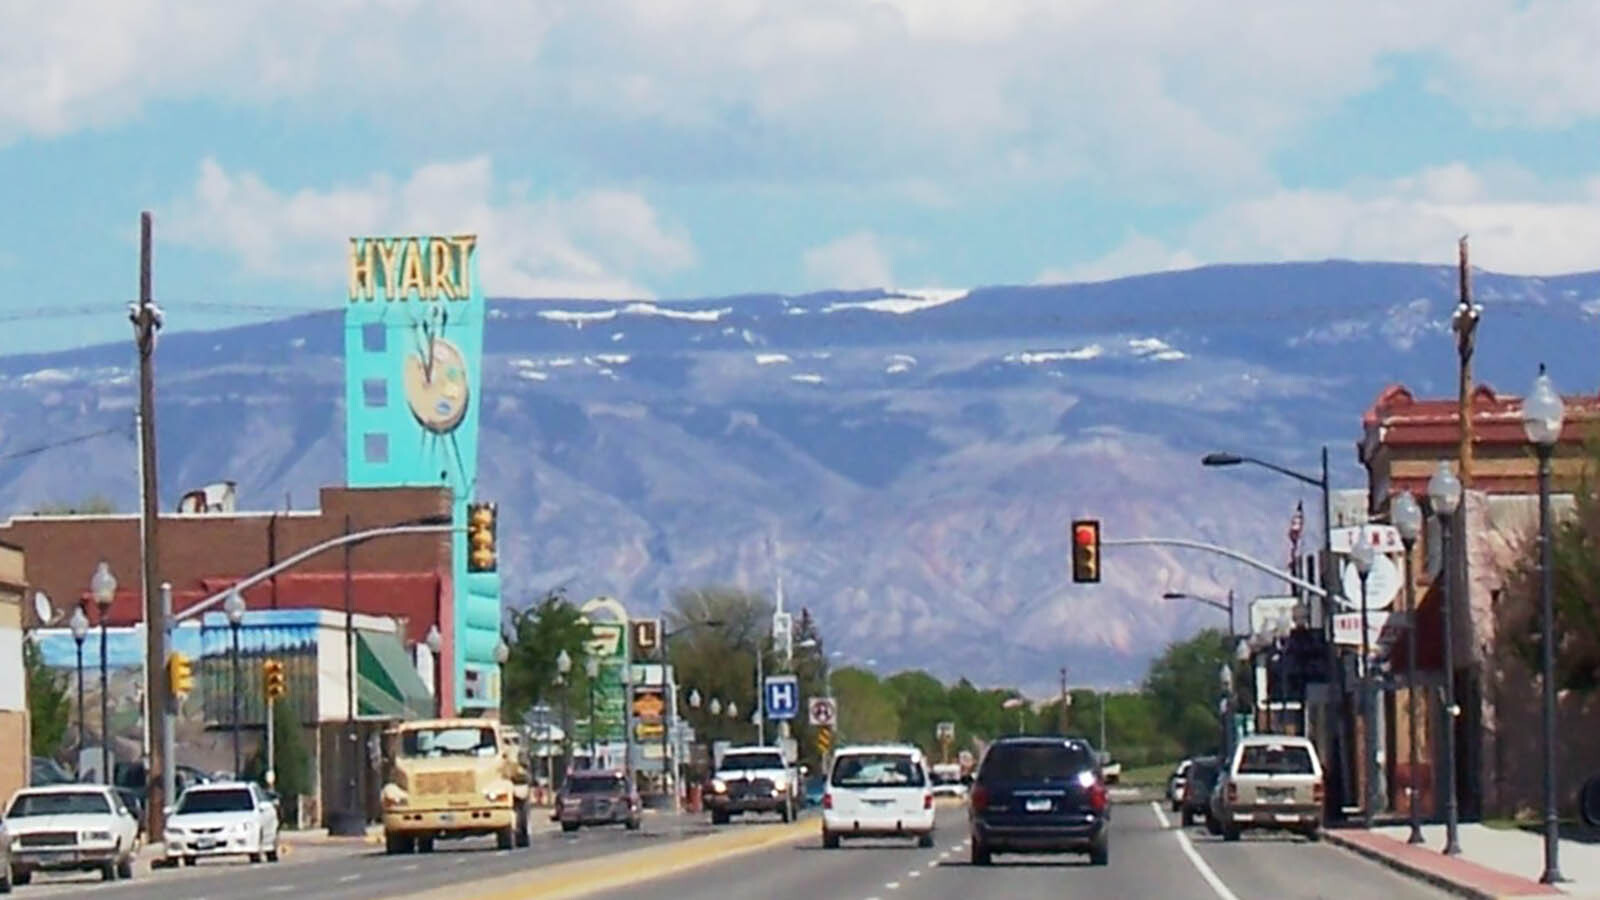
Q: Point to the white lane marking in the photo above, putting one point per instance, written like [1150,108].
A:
[1184,843]
[281,889]
[349,878]
[893,885]
[411,868]
[914,873]
[933,863]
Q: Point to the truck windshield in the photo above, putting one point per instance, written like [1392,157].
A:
[770,760]
[431,743]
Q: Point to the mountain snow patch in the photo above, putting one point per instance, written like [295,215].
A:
[1591,307]
[613,359]
[49,376]
[900,302]
[807,378]
[533,374]
[561,362]
[635,309]
[1036,357]
[771,359]
[1156,349]
[900,362]
[616,336]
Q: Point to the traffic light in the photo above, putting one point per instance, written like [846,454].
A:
[481,537]
[1086,551]
[272,679]
[180,675]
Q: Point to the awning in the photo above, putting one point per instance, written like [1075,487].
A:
[388,685]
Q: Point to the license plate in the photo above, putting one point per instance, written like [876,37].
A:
[204,844]
[1042,804]
[1287,817]
[879,802]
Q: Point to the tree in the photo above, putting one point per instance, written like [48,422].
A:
[95,505]
[1575,557]
[538,635]
[716,633]
[923,702]
[1182,684]
[49,702]
[868,709]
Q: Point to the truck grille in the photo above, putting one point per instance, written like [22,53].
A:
[48,839]
[444,783]
[760,787]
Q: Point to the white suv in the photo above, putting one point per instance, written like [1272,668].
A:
[878,791]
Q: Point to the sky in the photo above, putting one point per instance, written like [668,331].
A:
[675,149]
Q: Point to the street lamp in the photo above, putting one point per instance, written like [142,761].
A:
[234,607]
[501,652]
[435,644]
[1406,516]
[1225,680]
[103,586]
[1444,495]
[1214,604]
[591,668]
[1363,556]
[80,630]
[1542,415]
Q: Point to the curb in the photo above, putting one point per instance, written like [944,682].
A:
[1407,869]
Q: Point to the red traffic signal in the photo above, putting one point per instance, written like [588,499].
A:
[1086,551]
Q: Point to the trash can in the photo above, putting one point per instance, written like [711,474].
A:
[693,801]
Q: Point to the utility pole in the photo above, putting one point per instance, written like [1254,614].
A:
[1065,700]
[146,319]
[1465,325]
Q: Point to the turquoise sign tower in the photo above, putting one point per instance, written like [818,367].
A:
[413,349]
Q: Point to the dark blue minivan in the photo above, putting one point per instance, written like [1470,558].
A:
[1040,795]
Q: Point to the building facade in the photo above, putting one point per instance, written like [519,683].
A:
[15,758]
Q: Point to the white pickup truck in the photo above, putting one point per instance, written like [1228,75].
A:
[752,779]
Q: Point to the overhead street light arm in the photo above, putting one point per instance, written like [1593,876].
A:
[1179,595]
[1222,551]
[1233,459]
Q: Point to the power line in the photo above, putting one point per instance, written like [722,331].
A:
[64,442]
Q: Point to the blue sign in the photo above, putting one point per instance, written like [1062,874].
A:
[783,696]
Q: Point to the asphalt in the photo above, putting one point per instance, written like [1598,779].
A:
[357,870]
[1148,859]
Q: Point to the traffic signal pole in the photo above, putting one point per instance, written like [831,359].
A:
[171,701]
[1234,555]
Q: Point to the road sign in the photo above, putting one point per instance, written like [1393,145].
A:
[782,694]
[946,732]
[824,740]
[824,712]
[646,636]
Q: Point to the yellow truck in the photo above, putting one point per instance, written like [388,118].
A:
[453,778]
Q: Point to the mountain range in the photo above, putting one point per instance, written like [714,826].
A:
[907,459]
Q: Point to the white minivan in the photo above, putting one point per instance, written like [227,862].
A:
[878,791]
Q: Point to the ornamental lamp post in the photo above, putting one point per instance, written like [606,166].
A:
[1363,556]
[80,630]
[103,586]
[435,644]
[1406,516]
[591,668]
[1444,495]
[1542,415]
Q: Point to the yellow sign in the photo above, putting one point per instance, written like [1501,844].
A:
[648,706]
[424,268]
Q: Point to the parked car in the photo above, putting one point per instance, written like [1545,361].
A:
[597,798]
[878,791]
[5,859]
[71,828]
[816,789]
[1270,782]
[45,771]
[223,819]
[1199,779]
[1175,783]
[1039,795]
[947,780]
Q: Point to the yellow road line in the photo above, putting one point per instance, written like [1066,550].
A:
[586,876]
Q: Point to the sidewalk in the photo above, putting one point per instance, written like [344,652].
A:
[1493,863]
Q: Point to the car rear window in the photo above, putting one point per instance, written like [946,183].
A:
[1265,759]
[1203,772]
[1035,762]
[877,770]
[595,784]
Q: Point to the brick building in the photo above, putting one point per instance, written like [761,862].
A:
[1403,442]
[14,722]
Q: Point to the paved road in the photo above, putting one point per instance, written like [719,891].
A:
[360,871]
[1148,859]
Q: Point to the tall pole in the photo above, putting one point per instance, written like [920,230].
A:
[1547,626]
[271,775]
[169,776]
[592,747]
[348,821]
[238,689]
[627,702]
[1465,325]
[1370,782]
[1103,747]
[82,735]
[1331,587]
[105,707]
[761,694]
[146,319]
[1415,813]
[1063,716]
[1452,843]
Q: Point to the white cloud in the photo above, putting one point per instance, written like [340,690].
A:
[853,262]
[588,246]
[914,92]
[1517,225]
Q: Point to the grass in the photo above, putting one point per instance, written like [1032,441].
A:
[1148,776]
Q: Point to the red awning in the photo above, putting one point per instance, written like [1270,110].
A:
[1430,626]
[410,595]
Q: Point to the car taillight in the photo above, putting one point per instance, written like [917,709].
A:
[1099,798]
[827,801]
[1316,792]
[927,801]
[980,798]
[1233,792]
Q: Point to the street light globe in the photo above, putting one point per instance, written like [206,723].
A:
[1225,676]
[79,623]
[234,607]
[1543,412]
[733,710]
[715,707]
[694,699]
[501,653]
[591,667]
[563,661]
[1361,552]
[434,640]
[1406,515]
[103,586]
[1444,490]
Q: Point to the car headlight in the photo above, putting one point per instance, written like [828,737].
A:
[719,786]
[94,837]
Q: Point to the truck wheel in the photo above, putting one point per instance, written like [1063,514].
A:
[569,827]
[1100,852]
[830,840]
[505,837]
[925,840]
[719,817]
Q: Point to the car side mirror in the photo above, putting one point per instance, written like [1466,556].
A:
[167,811]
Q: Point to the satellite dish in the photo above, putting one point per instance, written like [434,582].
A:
[42,608]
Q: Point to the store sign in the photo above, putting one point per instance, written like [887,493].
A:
[1347,628]
[420,268]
